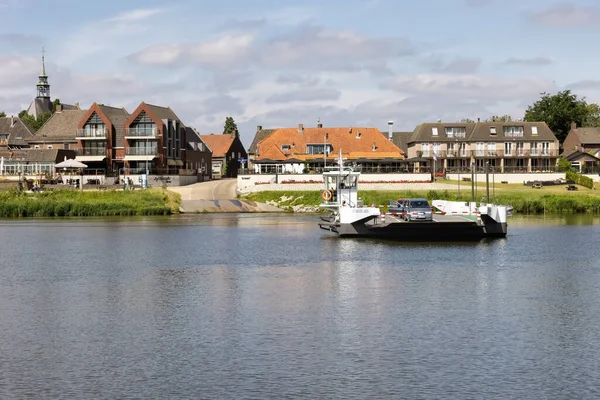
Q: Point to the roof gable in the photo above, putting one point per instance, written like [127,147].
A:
[218,143]
[261,134]
[16,131]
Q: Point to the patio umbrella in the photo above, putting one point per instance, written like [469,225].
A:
[70,163]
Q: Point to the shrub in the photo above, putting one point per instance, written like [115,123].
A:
[580,179]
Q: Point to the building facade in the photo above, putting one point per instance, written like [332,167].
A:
[227,154]
[503,146]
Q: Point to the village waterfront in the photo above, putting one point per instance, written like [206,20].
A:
[269,306]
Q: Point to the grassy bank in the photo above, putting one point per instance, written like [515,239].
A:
[531,201]
[72,203]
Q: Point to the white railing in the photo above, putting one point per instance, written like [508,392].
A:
[135,132]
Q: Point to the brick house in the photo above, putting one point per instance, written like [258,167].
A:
[227,150]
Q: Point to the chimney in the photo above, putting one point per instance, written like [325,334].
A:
[259,128]
[390,129]
[300,128]
[374,146]
[319,125]
[478,119]
[12,121]
[573,125]
[77,105]
[58,108]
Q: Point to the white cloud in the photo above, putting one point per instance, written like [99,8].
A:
[137,15]
[528,61]
[567,15]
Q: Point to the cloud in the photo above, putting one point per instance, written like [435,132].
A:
[136,15]
[584,85]
[528,61]
[304,48]
[462,65]
[567,15]
[18,71]
[304,95]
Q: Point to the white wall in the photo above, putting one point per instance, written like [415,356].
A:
[249,181]
[511,178]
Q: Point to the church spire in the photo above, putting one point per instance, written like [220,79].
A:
[43,87]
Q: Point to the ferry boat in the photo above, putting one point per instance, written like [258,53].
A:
[454,221]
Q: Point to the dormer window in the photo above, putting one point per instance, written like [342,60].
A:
[513,131]
[534,130]
[434,131]
[374,146]
[285,147]
[493,130]
[456,132]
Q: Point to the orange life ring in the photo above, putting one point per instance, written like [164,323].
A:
[326,195]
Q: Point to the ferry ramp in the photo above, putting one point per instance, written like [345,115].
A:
[216,196]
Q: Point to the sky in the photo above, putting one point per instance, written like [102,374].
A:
[282,63]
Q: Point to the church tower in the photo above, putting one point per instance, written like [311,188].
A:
[42,103]
[43,87]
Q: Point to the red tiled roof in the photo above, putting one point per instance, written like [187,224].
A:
[352,145]
[218,143]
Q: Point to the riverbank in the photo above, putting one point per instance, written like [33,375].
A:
[523,201]
[73,203]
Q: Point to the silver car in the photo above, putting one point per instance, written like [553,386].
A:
[418,210]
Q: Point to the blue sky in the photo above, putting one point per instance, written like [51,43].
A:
[277,64]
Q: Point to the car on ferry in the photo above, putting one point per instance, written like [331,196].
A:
[397,207]
[417,210]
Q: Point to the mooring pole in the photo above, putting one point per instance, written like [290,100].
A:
[473,183]
[487,182]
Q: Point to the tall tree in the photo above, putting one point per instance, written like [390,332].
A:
[2,114]
[496,118]
[559,110]
[230,127]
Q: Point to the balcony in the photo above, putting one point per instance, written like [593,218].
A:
[90,134]
[140,153]
[135,133]
[543,153]
[91,154]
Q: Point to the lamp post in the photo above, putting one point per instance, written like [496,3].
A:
[146,179]
[20,183]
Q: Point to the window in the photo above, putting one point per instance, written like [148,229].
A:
[425,149]
[508,149]
[456,131]
[546,148]
[534,149]
[37,146]
[285,147]
[534,130]
[491,149]
[318,149]
[479,149]
[513,131]
[520,151]
[462,149]
[49,147]
[434,131]
[493,130]
[66,146]
[436,149]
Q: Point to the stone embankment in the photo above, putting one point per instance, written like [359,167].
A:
[363,186]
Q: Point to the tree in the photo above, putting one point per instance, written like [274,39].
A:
[564,165]
[230,127]
[54,104]
[467,120]
[33,122]
[496,118]
[559,110]
[2,114]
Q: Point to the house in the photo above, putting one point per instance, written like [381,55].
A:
[585,140]
[506,146]
[13,133]
[582,162]
[99,134]
[198,156]
[58,132]
[295,150]
[155,139]
[227,151]
[260,135]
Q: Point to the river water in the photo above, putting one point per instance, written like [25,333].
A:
[256,306]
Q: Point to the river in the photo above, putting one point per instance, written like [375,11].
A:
[268,306]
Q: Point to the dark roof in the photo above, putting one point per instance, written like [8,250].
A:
[37,155]
[163,112]
[16,129]
[588,135]
[576,155]
[400,139]
[117,116]
[70,106]
[61,126]
[480,131]
[192,137]
[39,106]
[260,136]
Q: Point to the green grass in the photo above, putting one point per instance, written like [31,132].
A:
[524,200]
[72,203]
